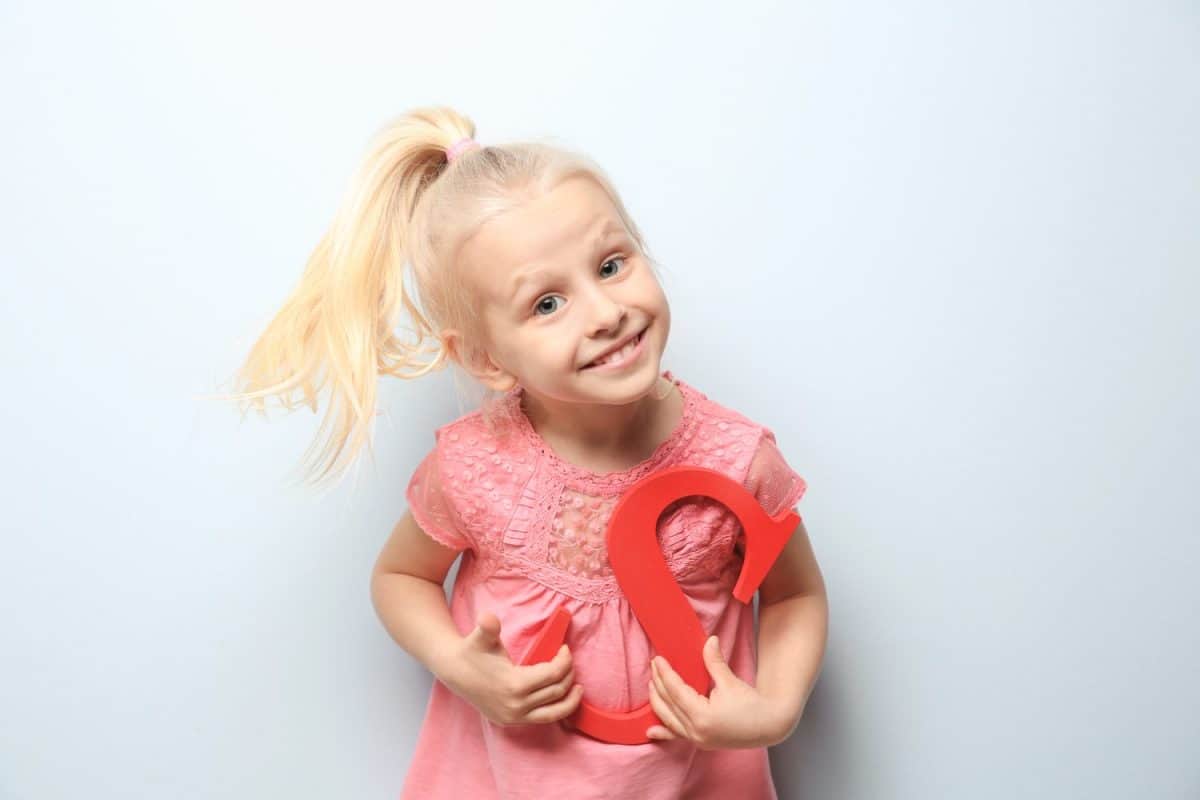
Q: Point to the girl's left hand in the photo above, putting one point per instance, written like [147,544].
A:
[734,715]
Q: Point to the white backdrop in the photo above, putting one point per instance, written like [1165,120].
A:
[947,251]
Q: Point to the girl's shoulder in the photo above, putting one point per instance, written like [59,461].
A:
[483,457]
[490,433]
[478,474]
[748,450]
[723,430]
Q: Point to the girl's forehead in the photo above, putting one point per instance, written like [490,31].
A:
[550,231]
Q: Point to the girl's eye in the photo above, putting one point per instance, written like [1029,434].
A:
[541,309]
[541,305]
[610,261]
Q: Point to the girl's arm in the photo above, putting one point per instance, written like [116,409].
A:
[406,590]
[793,624]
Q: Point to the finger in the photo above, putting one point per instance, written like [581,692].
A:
[487,629]
[555,691]
[535,676]
[718,668]
[667,697]
[666,715]
[489,623]
[686,700]
[556,711]
[661,733]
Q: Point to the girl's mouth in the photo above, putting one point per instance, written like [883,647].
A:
[621,358]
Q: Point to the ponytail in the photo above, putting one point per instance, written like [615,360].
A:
[337,326]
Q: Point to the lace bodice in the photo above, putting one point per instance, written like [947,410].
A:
[521,509]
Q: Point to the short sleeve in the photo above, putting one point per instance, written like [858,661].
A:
[431,506]
[773,482]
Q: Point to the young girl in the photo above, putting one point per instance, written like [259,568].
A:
[532,277]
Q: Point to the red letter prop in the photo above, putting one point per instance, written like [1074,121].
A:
[659,604]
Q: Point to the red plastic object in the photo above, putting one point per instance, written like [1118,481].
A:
[657,601]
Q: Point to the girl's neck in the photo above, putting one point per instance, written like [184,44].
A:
[604,437]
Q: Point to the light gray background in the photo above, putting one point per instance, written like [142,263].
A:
[947,251]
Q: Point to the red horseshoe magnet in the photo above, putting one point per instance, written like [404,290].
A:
[657,601]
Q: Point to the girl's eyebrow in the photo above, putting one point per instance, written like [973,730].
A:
[530,276]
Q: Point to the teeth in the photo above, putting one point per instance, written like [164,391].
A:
[620,354]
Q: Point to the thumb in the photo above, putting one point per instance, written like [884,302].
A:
[715,662]
[487,628]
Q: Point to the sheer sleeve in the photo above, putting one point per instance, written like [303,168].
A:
[775,484]
[431,506]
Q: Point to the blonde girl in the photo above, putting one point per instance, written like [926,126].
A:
[529,275]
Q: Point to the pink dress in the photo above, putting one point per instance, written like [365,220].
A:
[532,526]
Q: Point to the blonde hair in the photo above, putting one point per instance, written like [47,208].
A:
[405,206]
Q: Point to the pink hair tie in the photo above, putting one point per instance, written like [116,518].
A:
[456,149]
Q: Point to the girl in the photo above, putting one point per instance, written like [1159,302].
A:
[531,276]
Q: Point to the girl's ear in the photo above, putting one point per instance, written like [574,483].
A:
[476,361]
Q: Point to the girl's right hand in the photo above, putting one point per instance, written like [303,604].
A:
[508,693]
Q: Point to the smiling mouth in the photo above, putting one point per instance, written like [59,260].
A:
[630,345]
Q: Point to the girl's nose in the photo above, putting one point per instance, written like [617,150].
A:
[609,315]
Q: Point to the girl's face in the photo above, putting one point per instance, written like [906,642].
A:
[562,284]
